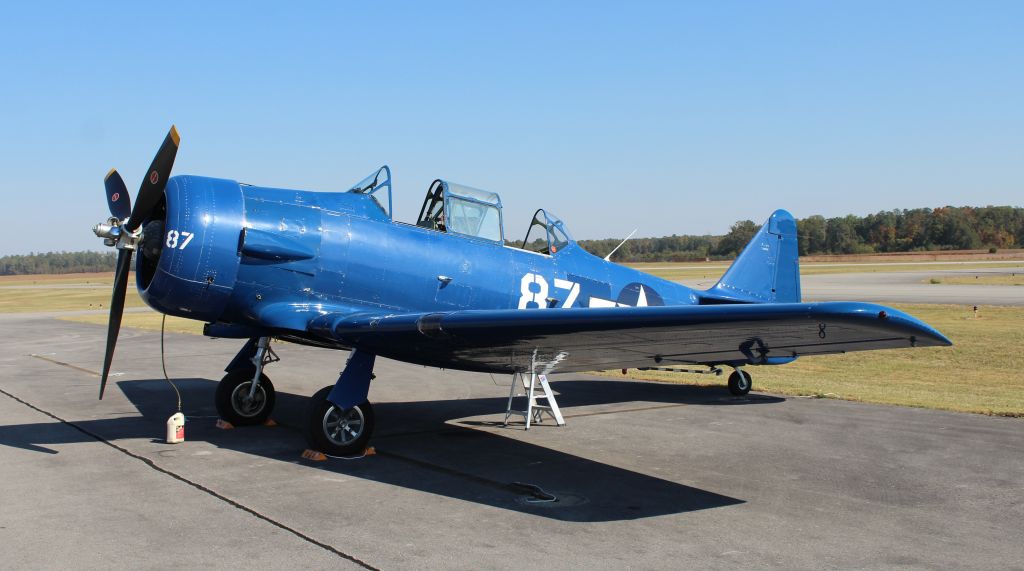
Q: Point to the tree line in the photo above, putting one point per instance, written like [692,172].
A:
[919,229]
[58,263]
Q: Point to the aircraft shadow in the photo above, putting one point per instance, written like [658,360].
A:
[421,446]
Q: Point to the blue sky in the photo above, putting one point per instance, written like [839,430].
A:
[677,117]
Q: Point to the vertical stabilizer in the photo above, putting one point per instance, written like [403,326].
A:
[768,269]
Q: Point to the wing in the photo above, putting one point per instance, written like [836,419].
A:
[563,340]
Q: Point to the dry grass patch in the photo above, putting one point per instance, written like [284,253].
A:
[980,279]
[676,272]
[149,320]
[979,374]
[809,269]
[23,300]
[47,279]
[712,271]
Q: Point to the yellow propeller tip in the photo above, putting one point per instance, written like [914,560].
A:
[174,135]
[112,171]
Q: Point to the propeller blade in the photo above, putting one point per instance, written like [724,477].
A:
[124,264]
[152,189]
[117,195]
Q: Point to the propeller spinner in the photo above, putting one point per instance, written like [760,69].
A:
[122,230]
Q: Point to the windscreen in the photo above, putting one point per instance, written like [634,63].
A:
[378,186]
[474,219]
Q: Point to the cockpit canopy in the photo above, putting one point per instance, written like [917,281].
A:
[378,186]
[459,209]
[467,211]
[546,235]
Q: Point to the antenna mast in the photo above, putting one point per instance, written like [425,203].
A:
[616,248]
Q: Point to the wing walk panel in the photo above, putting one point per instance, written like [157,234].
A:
[592,339]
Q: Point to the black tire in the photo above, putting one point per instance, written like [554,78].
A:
[234,388]
[352,428]
[739,383]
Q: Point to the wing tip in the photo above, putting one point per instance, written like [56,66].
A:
[940,339]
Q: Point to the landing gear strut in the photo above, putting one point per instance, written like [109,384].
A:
[245,396]
[739,382]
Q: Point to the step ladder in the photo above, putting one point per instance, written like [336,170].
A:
[534,411]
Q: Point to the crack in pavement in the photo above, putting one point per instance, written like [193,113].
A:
[63,364]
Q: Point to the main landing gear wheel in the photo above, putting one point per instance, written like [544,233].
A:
[336,431]
[233,402]
[739,382]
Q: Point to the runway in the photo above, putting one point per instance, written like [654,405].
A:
[903,287]
[647,475]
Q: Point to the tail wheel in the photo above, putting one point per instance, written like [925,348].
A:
[233,402]
[739,382]
[336,431]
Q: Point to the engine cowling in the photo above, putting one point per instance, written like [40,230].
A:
[188,257]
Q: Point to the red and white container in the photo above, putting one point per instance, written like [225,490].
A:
[176,429]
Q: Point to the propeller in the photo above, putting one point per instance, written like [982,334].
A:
[124,265]
[121,231]
[152,189]
[117,195]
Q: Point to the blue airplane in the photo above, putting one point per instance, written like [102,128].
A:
[335,270]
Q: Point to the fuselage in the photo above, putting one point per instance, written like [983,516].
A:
[229,250]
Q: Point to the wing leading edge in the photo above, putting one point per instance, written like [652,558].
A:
[565,340]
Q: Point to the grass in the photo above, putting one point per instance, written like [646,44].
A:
[22,300]
[61,292]
[714,270]
[149,320]
[867,268]
[49,279]
[979,374]
[981,279]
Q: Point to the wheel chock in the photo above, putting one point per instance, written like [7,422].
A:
[269,422]
[224,425]
[313,455]
[370,451]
